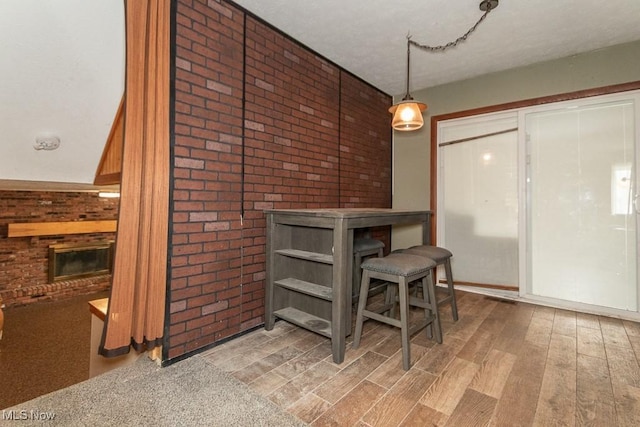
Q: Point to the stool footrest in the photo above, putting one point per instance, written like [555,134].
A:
[423,324]
[445,300]
[381,309]
[381,318]
[415,302]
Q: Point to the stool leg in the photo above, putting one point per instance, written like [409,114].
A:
[452,292]
[362,302]
[357,275]
[430,294]
[403,290]
[428,308]
[391,299]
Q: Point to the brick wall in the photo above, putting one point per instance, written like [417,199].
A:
[24,260]
[365,150]
[313,136]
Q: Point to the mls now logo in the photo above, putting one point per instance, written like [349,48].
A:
[13,415]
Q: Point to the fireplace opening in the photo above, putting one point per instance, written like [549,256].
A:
[78,260]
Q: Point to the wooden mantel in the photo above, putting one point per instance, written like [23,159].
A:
[29,229]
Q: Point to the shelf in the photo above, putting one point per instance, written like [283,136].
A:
[309,256]
[29,229]
[305,320]
[307,288]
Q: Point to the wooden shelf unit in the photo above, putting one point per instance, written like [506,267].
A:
[302,275]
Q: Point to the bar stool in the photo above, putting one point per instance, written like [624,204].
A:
[363,247]
[441,256]
[400,269]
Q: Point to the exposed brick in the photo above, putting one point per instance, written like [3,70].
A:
[189,163]
[183,63]
[178,306]
[203,216]
[299,151]
[24,260]
[214,308]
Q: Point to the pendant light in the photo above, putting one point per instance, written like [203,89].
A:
[407,114]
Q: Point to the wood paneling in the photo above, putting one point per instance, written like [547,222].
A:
[110,166]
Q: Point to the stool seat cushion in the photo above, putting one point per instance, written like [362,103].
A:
[399,264]
[436,253]
[366,244]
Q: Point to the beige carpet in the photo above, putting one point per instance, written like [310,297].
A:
[44,372]
[45,347]
[188,393]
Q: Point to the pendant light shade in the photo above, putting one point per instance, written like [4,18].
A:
[407,115]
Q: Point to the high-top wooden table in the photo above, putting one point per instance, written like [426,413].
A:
[309,265]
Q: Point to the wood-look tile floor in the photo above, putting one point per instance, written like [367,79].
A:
[501,364]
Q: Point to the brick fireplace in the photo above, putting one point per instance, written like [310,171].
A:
[24,261]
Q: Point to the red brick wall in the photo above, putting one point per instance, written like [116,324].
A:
[206,233]
[296,150]
[291,144]
[24,260]
[365,150]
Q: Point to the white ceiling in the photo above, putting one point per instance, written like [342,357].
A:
[62,62]
[61,74]
[368,37]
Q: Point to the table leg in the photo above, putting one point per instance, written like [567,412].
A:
[269,318]
[426,230]
[340,271]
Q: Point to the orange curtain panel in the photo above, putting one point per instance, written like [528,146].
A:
[135,316]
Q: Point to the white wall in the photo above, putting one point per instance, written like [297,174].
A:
[411,163]
[62,73]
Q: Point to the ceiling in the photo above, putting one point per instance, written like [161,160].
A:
[62,74]
[62,62]
[368,37]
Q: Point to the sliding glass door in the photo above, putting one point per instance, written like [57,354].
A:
[582,230]
[479,198]
[544,200]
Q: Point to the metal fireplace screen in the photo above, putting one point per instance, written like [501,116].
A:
[74,261]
